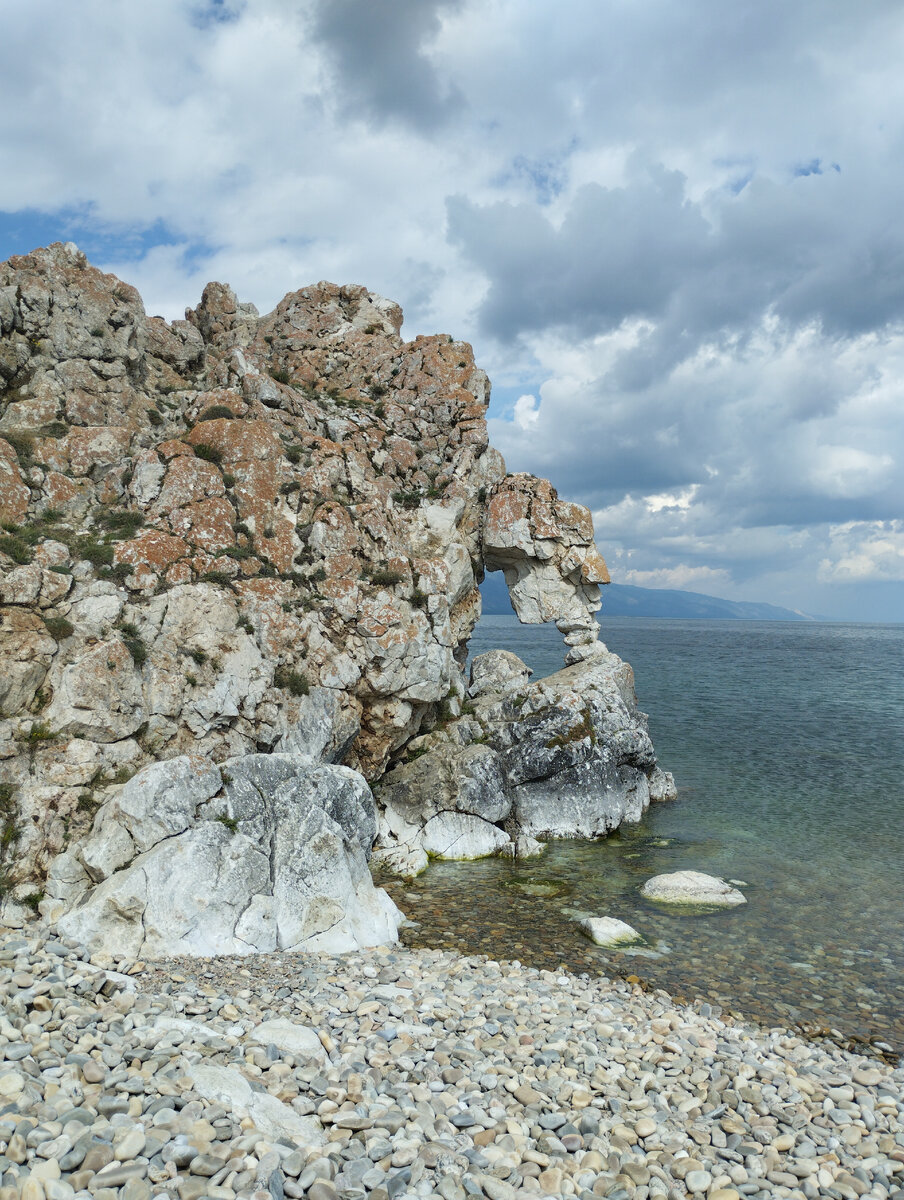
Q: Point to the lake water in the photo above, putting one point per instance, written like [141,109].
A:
[787,744]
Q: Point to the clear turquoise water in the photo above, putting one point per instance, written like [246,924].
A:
[787,744]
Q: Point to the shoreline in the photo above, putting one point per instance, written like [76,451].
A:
[425,1072]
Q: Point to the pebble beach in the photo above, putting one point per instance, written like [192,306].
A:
[395,1073]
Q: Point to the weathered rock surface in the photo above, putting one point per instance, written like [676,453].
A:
[692,887]
[552,567]
[269,853]
[566,756]
[238,534]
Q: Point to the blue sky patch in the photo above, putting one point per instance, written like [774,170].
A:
[26,230]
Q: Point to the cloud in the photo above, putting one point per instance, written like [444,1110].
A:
[865,552]
[672,231]
[683,576]
[383,67]
[526,415]
[699,272]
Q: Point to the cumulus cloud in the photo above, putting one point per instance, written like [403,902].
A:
[526,415]
[672,231]
[865,552]
[380,50]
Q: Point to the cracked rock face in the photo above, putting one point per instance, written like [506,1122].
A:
[567,756]
[267,853]
[239,534]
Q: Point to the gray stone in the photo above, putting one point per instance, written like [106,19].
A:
[498,671]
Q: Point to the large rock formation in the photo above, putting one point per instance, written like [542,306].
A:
[237,535]
[267,853]
[566,756]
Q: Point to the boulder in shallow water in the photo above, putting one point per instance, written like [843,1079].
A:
[662,785]
[609,931]
[692,887]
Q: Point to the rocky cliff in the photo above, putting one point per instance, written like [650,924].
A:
[238,536]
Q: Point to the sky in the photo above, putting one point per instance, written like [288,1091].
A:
[671,230]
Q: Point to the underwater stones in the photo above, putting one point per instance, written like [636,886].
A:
[535,885]
[692,888]
[609,931]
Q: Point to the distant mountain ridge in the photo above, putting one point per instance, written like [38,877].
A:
[627,600]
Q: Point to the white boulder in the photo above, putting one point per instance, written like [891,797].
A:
[227,1086]
[270,855]
[609,931]
[300,1041]
[692,887]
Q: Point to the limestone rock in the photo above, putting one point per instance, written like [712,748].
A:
[280,862]
[404,862]
[238,534]
[568,756]
[609,931]
[523,846]
[545,548]
[227,1086]
[692,887]
[298,1040]
[461,836]
[325,727]
[498,671]
[662,786]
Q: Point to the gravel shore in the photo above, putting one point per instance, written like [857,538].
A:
[396,1073]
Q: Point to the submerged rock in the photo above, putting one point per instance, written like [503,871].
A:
[692,887]
[609,931]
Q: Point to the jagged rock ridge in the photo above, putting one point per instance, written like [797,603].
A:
[237,534]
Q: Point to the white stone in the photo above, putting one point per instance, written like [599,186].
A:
[108,850]
[190,1031]
[162,800]
[404,862]
[292,875]
[692,887]
[300,1041]
[609,931]
[456,835]
[227,1086]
